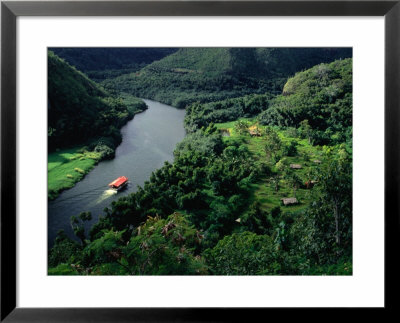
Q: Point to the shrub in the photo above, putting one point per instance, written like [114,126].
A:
[291,149]
[79,170]
[105,151]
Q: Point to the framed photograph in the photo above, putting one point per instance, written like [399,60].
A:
[167,160]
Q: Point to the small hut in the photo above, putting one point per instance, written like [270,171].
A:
[254,131]
[295,166]
[289,201]
[225,132]
[317,161]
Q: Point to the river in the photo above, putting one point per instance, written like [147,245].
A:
[149,140]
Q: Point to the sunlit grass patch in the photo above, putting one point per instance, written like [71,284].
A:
[66,167]
[79,170]
[264,191]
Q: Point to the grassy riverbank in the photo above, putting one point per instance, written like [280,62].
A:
[67,167]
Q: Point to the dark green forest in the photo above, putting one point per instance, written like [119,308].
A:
[80,111]
[261,184]
[211,74]
[319,98]
[103,63]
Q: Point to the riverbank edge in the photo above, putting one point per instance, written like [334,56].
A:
[87,170]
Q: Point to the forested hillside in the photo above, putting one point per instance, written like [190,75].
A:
[319,99]
[84,123]
[246,194]
[102,63]
[211,74]
[79,109]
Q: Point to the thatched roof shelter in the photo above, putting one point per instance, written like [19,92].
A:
[295,166]
[289,201]
[254,131]
[225,132]
[317,161]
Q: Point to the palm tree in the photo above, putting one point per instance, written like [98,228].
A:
[294,180]
[242,127]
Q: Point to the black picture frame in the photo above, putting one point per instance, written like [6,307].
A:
[10,10]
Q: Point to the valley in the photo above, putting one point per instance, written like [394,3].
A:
[240,164]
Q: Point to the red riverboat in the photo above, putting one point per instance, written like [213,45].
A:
[119,183]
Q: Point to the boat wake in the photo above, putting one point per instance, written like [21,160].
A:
[106,194]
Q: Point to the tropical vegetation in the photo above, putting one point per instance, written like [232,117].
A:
[260,185]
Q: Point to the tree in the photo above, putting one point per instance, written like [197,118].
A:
[77,224]
[322,235]
[244,253]
[336,188]
[293,179]
[275,180]
[306,130]
[311,176]
[291,149]
[164,247]
[64,250]
[280,235]
[242,127]
[256,220]
[311,240]
[273,142]
[282,164]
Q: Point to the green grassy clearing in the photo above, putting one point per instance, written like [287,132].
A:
[264,190]
[68,166]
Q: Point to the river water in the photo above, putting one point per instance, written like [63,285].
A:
[149,140]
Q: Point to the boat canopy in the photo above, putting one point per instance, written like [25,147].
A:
[119,182]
